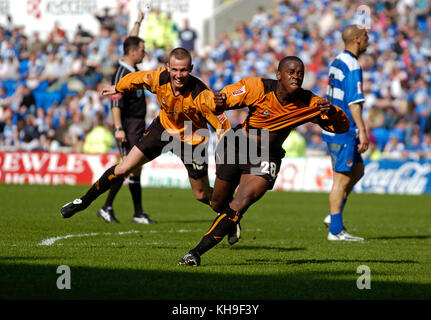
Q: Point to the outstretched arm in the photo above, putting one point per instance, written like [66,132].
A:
[135,29]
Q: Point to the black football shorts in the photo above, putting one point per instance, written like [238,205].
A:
[232,162]
[152,145]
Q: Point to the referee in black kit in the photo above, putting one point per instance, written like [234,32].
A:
[128,113]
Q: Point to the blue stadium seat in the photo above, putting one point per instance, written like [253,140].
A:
[51,97]
[10,86]
[23,68]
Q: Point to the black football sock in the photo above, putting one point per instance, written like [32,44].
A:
[115,188]
[136,192]
[221,226]
[208,201]
[100,186]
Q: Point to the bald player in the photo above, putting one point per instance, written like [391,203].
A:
[345,91]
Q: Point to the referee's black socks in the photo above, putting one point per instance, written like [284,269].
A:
[136,192]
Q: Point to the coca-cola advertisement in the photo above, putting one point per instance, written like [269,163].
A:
[396,177]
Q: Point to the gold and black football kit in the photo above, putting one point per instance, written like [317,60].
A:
[181,116]
[268,115]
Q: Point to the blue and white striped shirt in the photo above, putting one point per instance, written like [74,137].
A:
[344,89]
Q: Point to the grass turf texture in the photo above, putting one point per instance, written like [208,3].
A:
[283,254]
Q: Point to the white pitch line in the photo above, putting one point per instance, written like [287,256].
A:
[51,241]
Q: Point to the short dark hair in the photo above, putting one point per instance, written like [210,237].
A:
[286,59]
[180,54]
[131,43]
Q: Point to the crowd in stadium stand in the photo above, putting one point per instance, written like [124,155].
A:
[49,89]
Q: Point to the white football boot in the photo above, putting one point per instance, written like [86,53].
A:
[327,221]
[343,236]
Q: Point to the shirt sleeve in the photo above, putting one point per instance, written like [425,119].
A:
[243,93]
[139,80]
[353,87]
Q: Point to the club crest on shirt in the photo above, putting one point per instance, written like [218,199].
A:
[239,91]
[266,113]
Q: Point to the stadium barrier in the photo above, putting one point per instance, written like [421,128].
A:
[312,174]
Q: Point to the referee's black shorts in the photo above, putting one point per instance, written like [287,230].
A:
[134,129]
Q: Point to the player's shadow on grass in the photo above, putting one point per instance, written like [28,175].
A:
[323,261]
[412,237]
[39,281]
[316,261]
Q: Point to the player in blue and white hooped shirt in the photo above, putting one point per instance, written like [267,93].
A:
[345,91]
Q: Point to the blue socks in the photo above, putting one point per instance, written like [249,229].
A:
[336,225]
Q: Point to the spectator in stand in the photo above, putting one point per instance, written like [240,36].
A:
[27,99]
[10,69]
[187,36]
[105,18]
[170,33]
[61,135]
[295,145]
[99,139]
[9,133]
[76,132]
[121,20]
[41,122]
[30,134]
[153,29]
[426,146]
[57,34]
[316,146]
[394,148]
[413,148]
[260,18]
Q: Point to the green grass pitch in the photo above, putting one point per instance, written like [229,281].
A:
[283,253]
